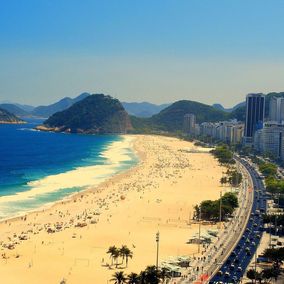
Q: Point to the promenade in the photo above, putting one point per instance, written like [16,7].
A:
[208,262]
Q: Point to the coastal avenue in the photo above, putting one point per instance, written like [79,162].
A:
[214,255]
[237,261]
[227,259]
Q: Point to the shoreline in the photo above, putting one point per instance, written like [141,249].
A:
[70,197]
[12,122]
[158,193]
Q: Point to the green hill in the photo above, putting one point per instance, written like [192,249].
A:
[7,117]
[96,114]
[171,118]
[239,113]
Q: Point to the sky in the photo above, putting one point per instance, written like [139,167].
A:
[161,51]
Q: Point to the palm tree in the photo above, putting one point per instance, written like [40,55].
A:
[128,254]
[122,251]
[152,275]
[251,274]
[115,256]
[125,253]
[267,274]
[142,277]
[133,278]
[118,277]
[112,251]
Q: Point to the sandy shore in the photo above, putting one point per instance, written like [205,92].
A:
[158,194]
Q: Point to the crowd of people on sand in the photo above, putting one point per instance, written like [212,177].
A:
[94,203]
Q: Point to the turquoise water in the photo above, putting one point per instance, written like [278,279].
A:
[37,168]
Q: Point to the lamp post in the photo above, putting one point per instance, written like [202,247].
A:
[255,260]
[157,257]
[199,230]
[220,209]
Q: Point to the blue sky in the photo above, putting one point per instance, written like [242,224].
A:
[147,50]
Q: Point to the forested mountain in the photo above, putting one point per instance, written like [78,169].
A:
[7,117]
[96,114]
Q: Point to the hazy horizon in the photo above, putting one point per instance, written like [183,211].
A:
[154,51]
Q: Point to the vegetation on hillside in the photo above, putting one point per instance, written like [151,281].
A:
[239,113]
[171,118]
[94,114]
[7,117]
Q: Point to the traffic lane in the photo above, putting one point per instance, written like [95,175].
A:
[252,234]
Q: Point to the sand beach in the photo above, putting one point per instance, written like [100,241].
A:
[69,240]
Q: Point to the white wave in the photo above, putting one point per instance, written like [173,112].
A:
[27,129]
[115,154]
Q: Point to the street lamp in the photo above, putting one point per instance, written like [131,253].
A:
[199,229]
[220,210]
[157,241]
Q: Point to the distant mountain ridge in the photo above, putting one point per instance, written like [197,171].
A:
[145,116]
[47,111]
[14,109]
[220,107]
[7,117]
[95,114]
[143,109]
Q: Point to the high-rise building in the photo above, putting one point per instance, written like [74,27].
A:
[270,140]
[228,131]
[276,109]
[255,105]
[189,122]
[238,133]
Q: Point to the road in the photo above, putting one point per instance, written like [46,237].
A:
[235,265]
[215,254]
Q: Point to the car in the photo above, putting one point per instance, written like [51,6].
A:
[233,253]
[238,247]
[237,261]
[232,267]
[220,273]
[239,269]
[227,274]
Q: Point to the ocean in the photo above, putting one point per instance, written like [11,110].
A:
[38,168]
